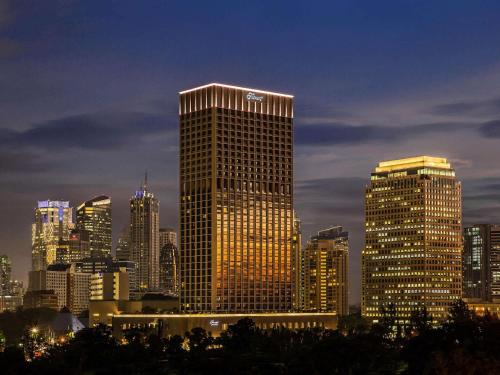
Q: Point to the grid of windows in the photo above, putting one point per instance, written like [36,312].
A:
[413,241]
[236,200]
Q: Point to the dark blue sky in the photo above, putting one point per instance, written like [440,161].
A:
[88,98]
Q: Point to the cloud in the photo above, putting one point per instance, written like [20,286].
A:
[489,107]
[490,129]
[23,162]
[338,133]
[96,131]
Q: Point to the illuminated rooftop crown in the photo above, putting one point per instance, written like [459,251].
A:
[412,163]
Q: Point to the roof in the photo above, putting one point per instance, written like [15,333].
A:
[236,88]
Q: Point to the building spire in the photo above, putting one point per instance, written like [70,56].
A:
[145,187]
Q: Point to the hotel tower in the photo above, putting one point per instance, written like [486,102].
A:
[236,203]
[413,238]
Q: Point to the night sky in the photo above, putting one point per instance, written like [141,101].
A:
[88,98]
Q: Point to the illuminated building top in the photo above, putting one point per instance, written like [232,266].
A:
[217,95]
[53,204]
[412,163]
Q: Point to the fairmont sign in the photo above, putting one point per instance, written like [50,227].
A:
[251,96]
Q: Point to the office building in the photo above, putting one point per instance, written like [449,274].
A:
[109,286]
[78,245]
[144,239]
[50,232]
[481,262]
[326,271]
[34,299]
[169,269]
[123,245]
[94,216]
[167,235]
[236,203]
[413,238]
[5,275]
[70,287]
[298,265]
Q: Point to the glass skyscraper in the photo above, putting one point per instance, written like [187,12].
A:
[50,232]
[236,209]
[144,240]
[94,216]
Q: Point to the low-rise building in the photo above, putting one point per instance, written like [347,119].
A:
[40,298]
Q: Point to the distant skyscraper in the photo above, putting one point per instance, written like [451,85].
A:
[50,232]
[326,266]
[123,245]
[94,216]
[167,235]
[481,262]
[169,262]
[236,214]
[144,239]
[169,275]
[413,241]
[79,245]
[298,265]
[5,275]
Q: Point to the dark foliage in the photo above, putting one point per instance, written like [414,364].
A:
[464,344]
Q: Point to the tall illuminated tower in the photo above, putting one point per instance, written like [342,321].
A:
[94,216]
[236,209]
[325,273]
[413,240]
[481,262]
[144,239]
[50,232]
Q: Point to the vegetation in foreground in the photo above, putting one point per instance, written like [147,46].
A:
[465,344]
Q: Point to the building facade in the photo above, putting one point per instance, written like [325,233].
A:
[167,235]
[5,275]
[481,262]
[78,245]
[326,271]
[413,238]
[169,269]
[94,216]
[72,288]
[50,232]
[298,266]
[108,286]
[236,203]
[144,239]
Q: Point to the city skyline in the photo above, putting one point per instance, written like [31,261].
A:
[347,111]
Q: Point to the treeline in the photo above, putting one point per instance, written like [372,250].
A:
[464,344]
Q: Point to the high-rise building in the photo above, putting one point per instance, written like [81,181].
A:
[326,269]
[5,275]
[169,273]
[413,238]
[167,235]
[236,204]
[50,232]
[94,216]
[11,291]
[481,262]
[78,245]
[144,239]
[169,262]
[298,265]
[123,245]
